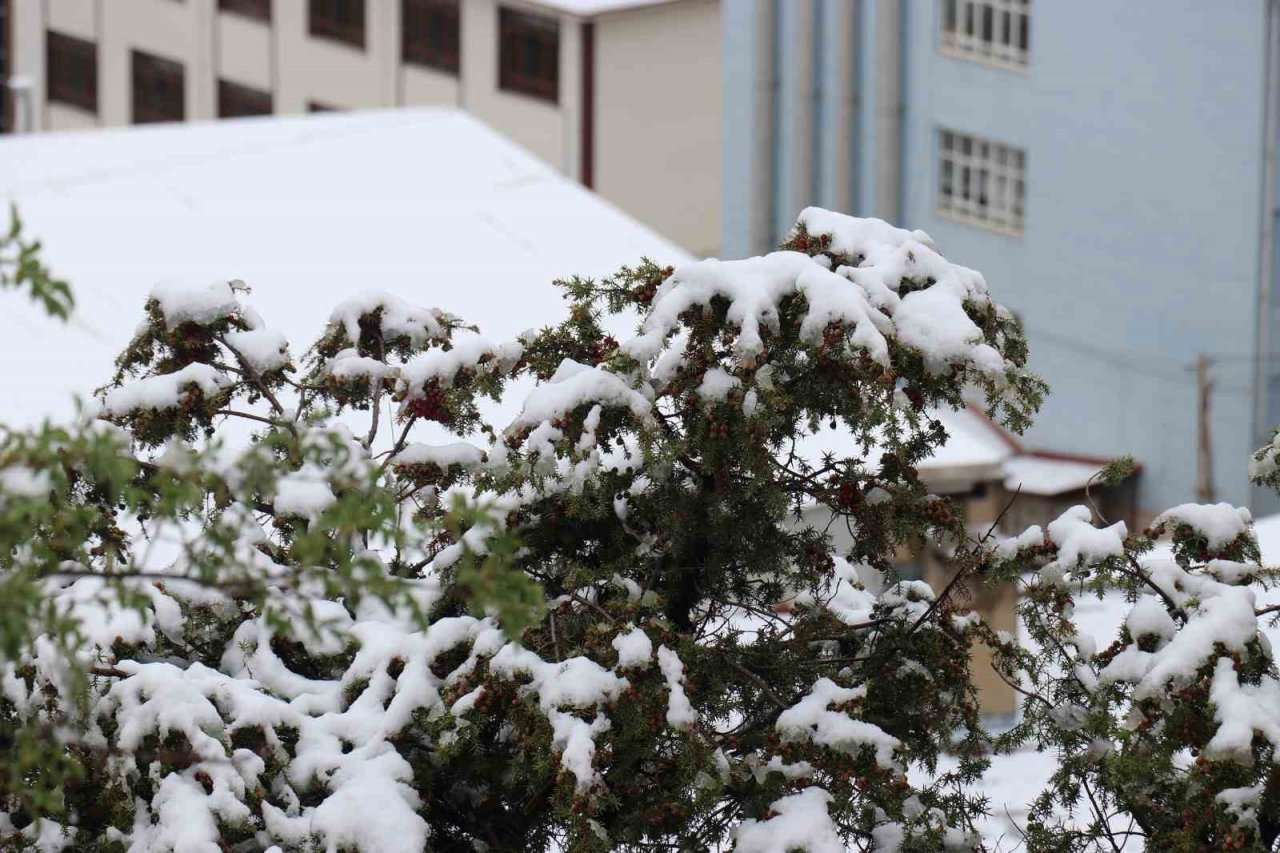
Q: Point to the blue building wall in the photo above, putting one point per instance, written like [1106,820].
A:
[1143,126]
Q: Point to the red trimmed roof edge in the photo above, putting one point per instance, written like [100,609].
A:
[1057,455]
[1007,437]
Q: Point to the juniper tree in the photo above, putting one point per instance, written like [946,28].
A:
[1165,732]
[322,602]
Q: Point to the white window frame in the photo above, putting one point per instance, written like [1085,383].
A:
[981,182]
[964,27]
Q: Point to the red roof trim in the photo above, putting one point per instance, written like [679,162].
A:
[1058,456]
[1076,457]
[1003,434]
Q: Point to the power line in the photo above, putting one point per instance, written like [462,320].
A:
[1123,358]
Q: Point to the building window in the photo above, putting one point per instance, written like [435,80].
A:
[71,66]
[257,9]
[236,101]
[529,54]
[981,181]
[159,89]
[429,33]
[340,20]
[994,30]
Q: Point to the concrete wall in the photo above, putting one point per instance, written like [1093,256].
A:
[535,124]
[281,57]
[813,113]
[1143,126]
[658,116]
[245,52]
[794,166]
[182,32]
[750,97]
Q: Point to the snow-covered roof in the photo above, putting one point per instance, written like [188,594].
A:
[976,451]
[587,8]
[979,450]
[1046,475]
[428,204]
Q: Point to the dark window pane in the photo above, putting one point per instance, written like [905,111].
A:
[529,54]
[236,101]
[159,89]
[949,16]
[430,33]
[72,71]
[340,20]
[259,9]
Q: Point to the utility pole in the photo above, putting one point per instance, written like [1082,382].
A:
[1204,449]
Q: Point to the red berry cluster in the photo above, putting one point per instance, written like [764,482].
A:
[848,495]
[431,404]
[832,336]
[644,294]
[599,350]
[939,512]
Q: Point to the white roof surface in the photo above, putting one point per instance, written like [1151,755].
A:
[976,451]
[978,448]
[1039,475]
[973,442]
[429,204]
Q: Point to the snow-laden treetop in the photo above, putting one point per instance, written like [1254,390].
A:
[330,602]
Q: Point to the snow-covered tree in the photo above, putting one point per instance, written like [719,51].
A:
[324,602]
[1165,732]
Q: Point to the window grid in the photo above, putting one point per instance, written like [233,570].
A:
[994,30]
[159,89]
[236,101]
[981,181]
[71,71]
[529,54]
[339,20]
[429,33]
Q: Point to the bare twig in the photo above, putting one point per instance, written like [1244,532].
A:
[584,600]
[759,682]
[1088,495]
[252,417]
[398,446]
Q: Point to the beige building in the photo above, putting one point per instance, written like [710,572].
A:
[622,95]
[1002,487]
